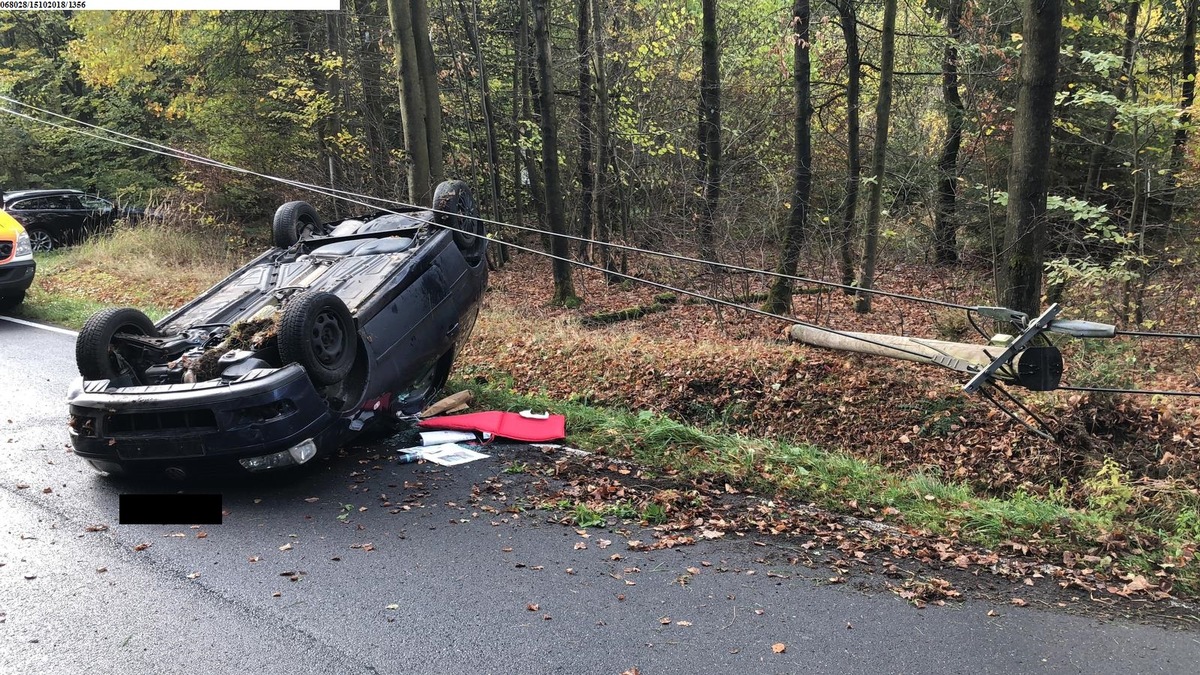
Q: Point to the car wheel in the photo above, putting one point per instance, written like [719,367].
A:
[458,211]
[317,331]
[93,348]
[294,221]
[8,302]
[40,240]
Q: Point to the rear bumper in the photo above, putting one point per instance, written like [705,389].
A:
[16,276]
[261,413]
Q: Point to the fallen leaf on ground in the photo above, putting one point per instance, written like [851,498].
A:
[683,623]
[779,648]
[95,528]
[665,620]
[533,607]
[142,546]
[1019,602]
[194,575]
[286,547]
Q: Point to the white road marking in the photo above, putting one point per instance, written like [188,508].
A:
[52,329]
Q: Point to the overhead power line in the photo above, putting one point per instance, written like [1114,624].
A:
[347,195]
[331,193]
[368,201]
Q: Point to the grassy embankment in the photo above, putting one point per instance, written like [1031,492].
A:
[157,267]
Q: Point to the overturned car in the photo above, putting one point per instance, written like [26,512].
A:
[340,327]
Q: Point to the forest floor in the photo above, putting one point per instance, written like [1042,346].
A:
[718,401]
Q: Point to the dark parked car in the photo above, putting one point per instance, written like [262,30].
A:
[321,337]
[60,217]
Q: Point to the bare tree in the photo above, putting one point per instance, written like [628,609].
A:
[412,101]
[845,235]
[709,145]
[583,36]
[603,144]
[1025,226]
[564,286]
[779,300]
[945,225]
[883,112]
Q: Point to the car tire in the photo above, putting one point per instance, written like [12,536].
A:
[294,221]
[458,211]
[40,240]
[93,346]
[317,331]
[8,302]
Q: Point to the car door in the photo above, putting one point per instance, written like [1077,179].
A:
[74,217]
[98,213]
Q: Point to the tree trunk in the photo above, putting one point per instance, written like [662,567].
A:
[883,111]
[1025,225]
[603,143]
[779,300]
[1188,67]
[470,23]
[945,226]
[564,287]
[845,235]
[431,95]
[710,134]
[586,173]
[412,102]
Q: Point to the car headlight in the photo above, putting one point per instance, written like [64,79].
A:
[24,248]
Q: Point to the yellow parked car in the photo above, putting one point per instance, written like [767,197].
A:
[16,262]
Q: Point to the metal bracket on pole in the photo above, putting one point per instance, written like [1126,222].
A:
[1027,335]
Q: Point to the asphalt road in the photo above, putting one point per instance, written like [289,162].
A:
[439,583]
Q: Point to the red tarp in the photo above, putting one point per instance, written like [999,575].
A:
[503,424]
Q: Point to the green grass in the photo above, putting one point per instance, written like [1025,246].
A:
[152,266]
[843,483]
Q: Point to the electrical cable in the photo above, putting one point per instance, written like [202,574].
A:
[346,195]
[1152,334]
[356,198]
[656,284]
[1150,392]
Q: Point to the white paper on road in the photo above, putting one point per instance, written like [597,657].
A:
[451,454]
[429,438]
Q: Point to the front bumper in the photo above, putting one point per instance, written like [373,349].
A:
[16,276]
[263,412]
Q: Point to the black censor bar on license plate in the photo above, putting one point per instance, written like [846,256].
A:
[170,509]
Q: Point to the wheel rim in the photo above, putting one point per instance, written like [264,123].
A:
[328,338]
[40,241]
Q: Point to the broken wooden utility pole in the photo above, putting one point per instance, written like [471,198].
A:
[1011,358]
[918,350]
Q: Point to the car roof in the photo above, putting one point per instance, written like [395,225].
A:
[22,194]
